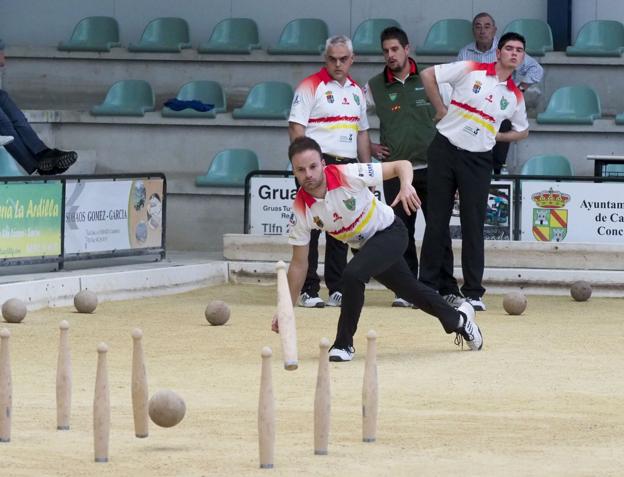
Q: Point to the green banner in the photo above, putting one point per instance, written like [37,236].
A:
[30,219]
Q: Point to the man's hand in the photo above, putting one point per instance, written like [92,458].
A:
[380,151]
[275,324]
[440,113]
[409,198]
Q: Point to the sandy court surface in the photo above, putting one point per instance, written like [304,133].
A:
[545,397]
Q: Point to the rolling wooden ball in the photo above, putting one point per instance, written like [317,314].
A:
[13,310]
[85,301]
[514,303]
[217,313]
[581,290]
[166,408]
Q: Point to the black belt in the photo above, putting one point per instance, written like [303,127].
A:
[331,157]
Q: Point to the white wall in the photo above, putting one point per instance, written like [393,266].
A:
[46,22]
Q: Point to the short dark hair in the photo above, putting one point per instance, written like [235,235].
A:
[302,144]
[394,33]
[511,36]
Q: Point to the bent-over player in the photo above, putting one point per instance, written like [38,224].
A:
[337,199]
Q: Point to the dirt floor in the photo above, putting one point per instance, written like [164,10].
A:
[544,398]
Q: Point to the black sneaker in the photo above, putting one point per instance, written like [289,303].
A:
[55,161]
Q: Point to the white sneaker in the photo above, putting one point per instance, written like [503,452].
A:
[5,140]
[401,303]
[477,303]
[454,300]
[335,299]
[308,301]
[469,331]
[339,355]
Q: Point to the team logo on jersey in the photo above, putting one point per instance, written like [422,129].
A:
[297,99]
[317,220]
[329,96]
[393,96]
[337,217]
[293,220]
[476,87]
[503,103]
[490,98]
[356,98]
[349,203]
[345,101]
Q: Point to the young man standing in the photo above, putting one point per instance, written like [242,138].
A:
[330,107]
[460,156]
[406,130]
[337,199]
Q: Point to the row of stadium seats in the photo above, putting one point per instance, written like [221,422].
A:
[305,36]
[574,105]
[266,100]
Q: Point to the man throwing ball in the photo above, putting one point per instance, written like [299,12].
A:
[337,200]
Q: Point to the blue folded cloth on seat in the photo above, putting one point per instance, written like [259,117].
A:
[178,105]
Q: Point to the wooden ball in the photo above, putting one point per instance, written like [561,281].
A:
[581,290]
[166,408]
[514,303]
[85,301]
[13,310]
[217,312]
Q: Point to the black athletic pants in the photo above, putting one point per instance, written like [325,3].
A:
[381,258]
[499,153]
[335,254]
[448,283]
[452,169]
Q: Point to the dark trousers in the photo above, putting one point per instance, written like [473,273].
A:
[335,255]
[26,143]
[452,169]
[448,284]
[499,153]
[381,258]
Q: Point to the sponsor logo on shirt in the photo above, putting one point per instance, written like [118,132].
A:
[337,217]
[297,99]
[470,130]
[503,103]
[348,138]
[293,219]
[476,87]
[349,203]
[345,101]
[490,98]
[329,96]
[371,171]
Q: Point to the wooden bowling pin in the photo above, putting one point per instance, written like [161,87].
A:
[63,380]
[370,391]
[139,386]
[266,412]
[286,319]
[6,390]
[101,407]
[322,401]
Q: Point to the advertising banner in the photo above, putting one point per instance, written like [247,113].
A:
[572,212]
[107,215]
[30,219]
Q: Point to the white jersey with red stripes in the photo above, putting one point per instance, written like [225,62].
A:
[331,113]
[479,103]
[349,212]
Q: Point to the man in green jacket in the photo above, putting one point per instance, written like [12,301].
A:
[406,120]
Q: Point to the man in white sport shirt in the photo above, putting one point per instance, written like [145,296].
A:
[460,155]
[330,107]
[337,199]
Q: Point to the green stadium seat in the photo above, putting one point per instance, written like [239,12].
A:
[619,119]
[598,38]
[366,36]
[447,37]
[537,34]
[163,35]
[232,35]
[93,34]
[209,92]
[302,36]
[572,105]
[268,100]
[126,98]
[8,165]
[229,169]
[547,165]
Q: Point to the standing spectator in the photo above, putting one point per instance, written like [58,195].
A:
[330,107]
[460,155]
[527,75]
[26,147]
[406,129]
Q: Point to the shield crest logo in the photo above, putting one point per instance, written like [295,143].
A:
[356,98]
[329,96]
[349,203]
[550,219]
[503,103]
[393,96]
[476,87]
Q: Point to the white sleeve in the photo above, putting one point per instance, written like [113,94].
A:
[302,104]
[369,174]
[370,101]
[363,122]
[519,121]
[298,230]
[451,72]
